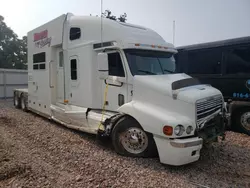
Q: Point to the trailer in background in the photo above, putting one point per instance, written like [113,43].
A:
[11,79]
[226,66]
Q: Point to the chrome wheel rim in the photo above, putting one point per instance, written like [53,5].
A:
[245,120]
[134,140]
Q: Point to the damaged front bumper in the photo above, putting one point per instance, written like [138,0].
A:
[213,128]
[178,152]
[187,150]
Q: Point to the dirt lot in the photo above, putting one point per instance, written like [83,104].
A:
[35,152]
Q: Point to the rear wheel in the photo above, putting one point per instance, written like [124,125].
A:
[242,120]
[23,103]
[130,139]
[16,101]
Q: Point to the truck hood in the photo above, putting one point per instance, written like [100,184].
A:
[177,86]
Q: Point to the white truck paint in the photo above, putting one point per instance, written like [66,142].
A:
[70,64]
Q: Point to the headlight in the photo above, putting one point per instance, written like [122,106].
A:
[189,129]
[179,130]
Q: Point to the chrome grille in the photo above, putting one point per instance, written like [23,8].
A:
[208,106]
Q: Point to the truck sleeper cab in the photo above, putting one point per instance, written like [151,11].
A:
[121,84]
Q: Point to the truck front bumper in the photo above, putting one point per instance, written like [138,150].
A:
[212,129]
[178,152]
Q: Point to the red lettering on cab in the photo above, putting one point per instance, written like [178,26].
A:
[41,35]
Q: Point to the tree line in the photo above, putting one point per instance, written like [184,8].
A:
[13,50]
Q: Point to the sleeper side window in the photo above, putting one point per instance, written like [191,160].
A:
[238,61]
[115,65]
[73,69]
[39,61]
[75,33]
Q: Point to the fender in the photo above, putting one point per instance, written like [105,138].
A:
[237,104]
[153,118]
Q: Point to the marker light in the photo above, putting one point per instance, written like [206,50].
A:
[168,130]
[152,46]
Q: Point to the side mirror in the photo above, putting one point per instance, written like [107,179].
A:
[103,66]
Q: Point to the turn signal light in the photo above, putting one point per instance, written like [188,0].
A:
[168,130]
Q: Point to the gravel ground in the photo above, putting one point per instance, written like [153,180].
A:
[35,152]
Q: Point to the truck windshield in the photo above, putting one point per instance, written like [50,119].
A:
[148,62]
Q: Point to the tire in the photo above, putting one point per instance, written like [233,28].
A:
[17,101]
[242,120]
[125,140]
[23,103]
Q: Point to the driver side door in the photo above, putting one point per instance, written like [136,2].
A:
[117,82]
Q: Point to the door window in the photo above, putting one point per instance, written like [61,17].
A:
[115,65]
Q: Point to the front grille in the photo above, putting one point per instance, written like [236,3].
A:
[208,106]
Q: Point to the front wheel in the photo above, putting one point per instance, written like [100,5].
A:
[242,120]
[129,139]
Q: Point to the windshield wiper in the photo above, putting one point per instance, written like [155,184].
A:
[145,71]
[169,71]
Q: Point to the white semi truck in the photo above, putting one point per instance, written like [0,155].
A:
[117,80]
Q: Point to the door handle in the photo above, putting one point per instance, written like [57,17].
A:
[71,95]
[114,84]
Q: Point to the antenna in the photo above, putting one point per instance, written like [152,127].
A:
[173,31]
[101,24]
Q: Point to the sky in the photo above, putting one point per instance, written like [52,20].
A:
[196,21]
